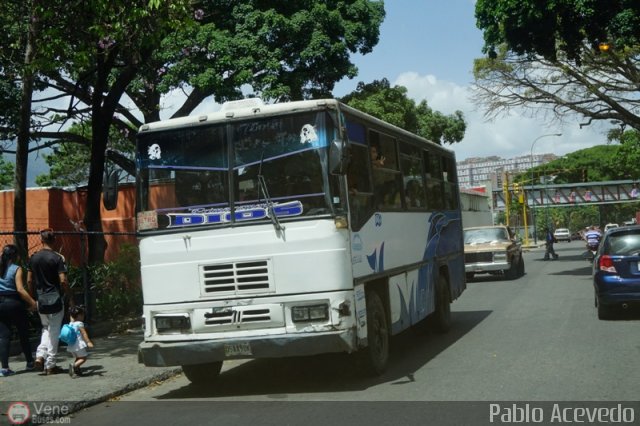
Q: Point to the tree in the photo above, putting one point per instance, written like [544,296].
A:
[19,63]
[602,87]
[69,160]
[628,156]
[546,58]
[573,27]
[285,50]
[392,105]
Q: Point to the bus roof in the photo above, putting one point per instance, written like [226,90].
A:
[255,107]
[237,110]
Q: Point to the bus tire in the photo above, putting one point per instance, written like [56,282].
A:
[201,374]
[374,358]
[441,318]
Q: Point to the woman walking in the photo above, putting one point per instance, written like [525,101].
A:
[13,298]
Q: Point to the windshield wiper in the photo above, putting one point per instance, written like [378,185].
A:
[263,186]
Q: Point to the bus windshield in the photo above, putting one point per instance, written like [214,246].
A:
[207,175]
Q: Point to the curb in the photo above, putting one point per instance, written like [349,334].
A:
[76,406]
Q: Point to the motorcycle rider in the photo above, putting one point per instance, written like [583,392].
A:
[592,237]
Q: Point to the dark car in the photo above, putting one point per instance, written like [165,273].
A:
[616,271]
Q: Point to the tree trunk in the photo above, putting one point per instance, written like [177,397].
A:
[92,216]
[22,148]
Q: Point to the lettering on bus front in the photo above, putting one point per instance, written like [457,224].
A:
[253,212]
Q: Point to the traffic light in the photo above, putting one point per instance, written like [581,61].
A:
[519,192]
[584,175]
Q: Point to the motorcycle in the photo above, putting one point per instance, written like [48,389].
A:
[592,247]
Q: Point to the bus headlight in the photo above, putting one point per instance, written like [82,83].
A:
[310,313]
[172,323]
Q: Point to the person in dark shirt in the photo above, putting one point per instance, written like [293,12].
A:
[47,275]
[550,253]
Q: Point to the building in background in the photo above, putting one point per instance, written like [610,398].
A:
[477,206]
[478,171]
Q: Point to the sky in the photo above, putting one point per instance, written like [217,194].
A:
[429,46]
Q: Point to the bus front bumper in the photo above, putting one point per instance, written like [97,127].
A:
[164,354]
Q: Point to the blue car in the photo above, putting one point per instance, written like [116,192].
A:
[616,271]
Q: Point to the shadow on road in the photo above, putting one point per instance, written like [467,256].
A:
[410,351]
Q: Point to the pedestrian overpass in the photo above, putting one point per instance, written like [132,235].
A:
[569,194]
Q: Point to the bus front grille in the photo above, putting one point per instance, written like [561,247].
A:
[236,277]
[236,316]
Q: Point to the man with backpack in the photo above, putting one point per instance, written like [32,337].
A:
[47,280]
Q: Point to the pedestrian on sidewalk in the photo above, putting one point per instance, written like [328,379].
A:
[47,275]
[79,347]
[14,302]
[550,253]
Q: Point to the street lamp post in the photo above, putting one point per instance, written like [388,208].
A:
[533,194]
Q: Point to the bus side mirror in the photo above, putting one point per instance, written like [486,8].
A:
[338,157]
[110,190]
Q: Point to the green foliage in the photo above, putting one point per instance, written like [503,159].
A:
[6,173]
[532,27]
[68,166]
[115,286]
[392,105]
[598,163]
[628,159]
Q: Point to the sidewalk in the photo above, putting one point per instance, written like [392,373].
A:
[112,369]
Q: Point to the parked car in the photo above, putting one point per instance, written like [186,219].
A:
[577,236]
[610,226]
[562,234]
[616,271]
[492,250]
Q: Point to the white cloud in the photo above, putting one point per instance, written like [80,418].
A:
[506,137]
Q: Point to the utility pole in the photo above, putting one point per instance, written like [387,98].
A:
[505,190]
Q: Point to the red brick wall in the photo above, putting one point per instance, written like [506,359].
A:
[57,209]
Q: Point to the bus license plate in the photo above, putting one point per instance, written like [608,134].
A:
[237,349]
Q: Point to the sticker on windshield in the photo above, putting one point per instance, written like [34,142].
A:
[154,152]
[308,134]
[244,213]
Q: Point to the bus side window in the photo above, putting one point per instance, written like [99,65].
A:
[387,180]
[359,184]
[450,184]
[412,171]
[435,190]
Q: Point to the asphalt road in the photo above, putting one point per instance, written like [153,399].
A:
[529,340]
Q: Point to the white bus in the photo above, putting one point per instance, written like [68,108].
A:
[267,231]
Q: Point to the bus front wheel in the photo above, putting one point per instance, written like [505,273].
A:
[373,359]
[202,374]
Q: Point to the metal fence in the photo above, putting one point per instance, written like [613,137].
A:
[73,246]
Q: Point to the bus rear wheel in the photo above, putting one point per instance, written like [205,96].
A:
[374,358]
[202,374]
